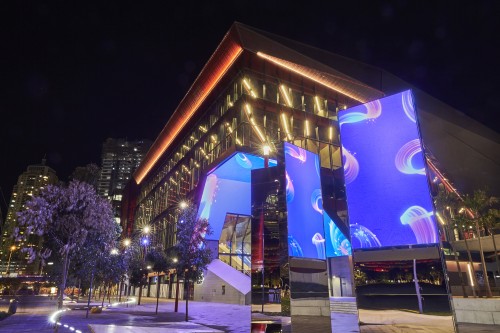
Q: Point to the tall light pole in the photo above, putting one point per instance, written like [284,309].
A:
[126,244]
[176,288]
[266,149]
[182,205]
[145,243]
[12,248]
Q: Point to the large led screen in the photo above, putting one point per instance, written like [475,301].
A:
[227,190]
[388,196]
[304,203]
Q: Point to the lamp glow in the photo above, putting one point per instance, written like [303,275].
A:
[266,149]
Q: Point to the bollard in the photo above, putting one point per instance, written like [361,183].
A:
[13,306]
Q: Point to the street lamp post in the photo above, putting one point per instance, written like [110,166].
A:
[126,243]
[176,288]
[12,248]
[182,205]
[145,243]
[266,149]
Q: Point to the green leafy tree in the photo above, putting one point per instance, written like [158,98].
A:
[88,174]
[160,263]
[193,255]
[137,273]
[447,205]
[66,215]
[480,216]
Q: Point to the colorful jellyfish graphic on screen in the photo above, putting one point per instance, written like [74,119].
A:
[364,236]
[296,152]
[317,201]
[421,223]
[319,242]
[340,244]
[294,248]
[406,154]
[373,110]
[351,166]
[407,101]
[290,191]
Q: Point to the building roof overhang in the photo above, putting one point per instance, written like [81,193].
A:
[242,38]
[468,150]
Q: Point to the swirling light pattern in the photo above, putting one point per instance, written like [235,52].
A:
[294,248]
[296,152]
[421,223]
[341,245]
[243,161]
[373,110]
[405,156]
[409,109]
[319,242]
[290,191]
[365,237]
[317,201]
[351,166]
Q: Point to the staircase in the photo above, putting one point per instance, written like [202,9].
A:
[343,305]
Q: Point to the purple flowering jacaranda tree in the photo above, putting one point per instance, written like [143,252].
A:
[64,215]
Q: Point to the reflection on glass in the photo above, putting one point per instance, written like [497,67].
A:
[391,285]
[235,242]
[269,303]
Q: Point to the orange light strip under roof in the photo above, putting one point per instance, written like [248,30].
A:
[447,184]
[328,80]
[197,98]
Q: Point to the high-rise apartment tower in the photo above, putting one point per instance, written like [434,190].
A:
[119,159]
[29,184]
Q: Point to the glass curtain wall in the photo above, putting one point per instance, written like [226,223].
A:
[254,109]
[235,242]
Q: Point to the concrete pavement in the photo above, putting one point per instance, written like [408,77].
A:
[204,317]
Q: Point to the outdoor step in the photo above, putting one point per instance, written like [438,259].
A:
[343,307]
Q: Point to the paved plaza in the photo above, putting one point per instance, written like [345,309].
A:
[33,316]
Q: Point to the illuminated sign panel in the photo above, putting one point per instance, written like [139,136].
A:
[227,190]
[388,197]
[304,204]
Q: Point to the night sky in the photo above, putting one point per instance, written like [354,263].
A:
[72,75]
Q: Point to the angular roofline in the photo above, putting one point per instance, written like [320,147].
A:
[242,37]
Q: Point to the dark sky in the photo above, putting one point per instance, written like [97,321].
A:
[72,75]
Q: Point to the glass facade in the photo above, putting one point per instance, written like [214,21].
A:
[252,110]
[235,242]
[281,218]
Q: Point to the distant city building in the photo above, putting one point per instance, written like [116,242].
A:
[29,184]
[119,159]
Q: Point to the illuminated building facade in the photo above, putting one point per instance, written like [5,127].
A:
[29,184]
[119,159]
[263,117]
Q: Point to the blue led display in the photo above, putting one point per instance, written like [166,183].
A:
[227,190]
[337,244]
[304,204]
[388,198]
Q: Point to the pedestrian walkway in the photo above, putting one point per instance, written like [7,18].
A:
[204,317]
[167,328]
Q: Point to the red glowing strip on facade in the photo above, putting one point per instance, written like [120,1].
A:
[326,79]
[188,107]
